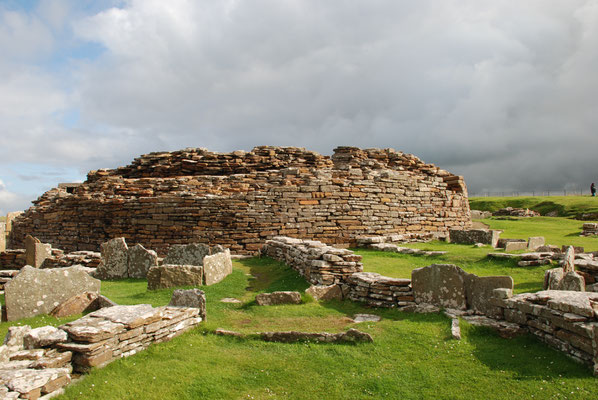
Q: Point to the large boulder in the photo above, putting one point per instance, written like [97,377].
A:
[115,258]
[186,254]
[325,292]
[38,291]
[440,285]
[167,276]
[140,260]
[217,267]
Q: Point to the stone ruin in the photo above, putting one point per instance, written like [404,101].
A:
[39,362]
[241,199]
[566,320]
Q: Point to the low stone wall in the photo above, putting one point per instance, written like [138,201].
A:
[120,331]
[16,259]
[35,362]
[319,263]
[12,259]
[564,320]
[589,229]
[380,291]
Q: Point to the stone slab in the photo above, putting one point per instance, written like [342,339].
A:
[217,267]
[114,262]
[139,261]
[167,276]
[440,285]
[38,291]
[186,254]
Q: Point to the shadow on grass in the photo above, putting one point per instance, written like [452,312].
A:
[525,356]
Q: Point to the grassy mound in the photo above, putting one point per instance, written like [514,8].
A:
[561,206]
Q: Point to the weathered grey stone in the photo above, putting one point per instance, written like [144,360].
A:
[194,298]
[186,254]
[505,329]
[568,301]
[74,305]
[552,278]
[30,382]
[535,242]
[217,267]
[455,329]
[224,332]
[91,330]
[114,262]
[480,290]
[130,316]
[515,245]
[44,337]
[569,260]
[36,252]
[14,336]
[474,236]
[276,298]
[358,318]
[38,291]
[572,281]
[352,335]
[440,285]
[167,276]
[230,300]
[323,292]
[139,261]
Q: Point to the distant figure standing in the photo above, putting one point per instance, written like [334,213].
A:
[593,189]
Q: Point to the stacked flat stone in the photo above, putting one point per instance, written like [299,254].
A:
[529,259]
[516,212]
[319,263]
[589,229]
[12,259]
[242,199]
[29,365]
[380,291]
[15,259]
[120,331]
[6,276]
[565,320]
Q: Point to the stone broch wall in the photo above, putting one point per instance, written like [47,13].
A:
[241,199]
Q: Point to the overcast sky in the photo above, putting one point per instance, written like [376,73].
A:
[502,92]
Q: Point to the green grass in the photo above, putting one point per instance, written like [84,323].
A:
[412,356]
[564,206]
[471,259]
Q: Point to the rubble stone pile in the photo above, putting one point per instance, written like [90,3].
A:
[242,199]
[380,291]
[515,212]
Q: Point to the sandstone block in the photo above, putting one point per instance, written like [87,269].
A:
[75,305]
[217,267]
[569,260]
[44,337]
[276,298]
[480,290]
[535,242]
[323,293]
[572,281]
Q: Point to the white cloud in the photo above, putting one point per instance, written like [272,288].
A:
[503,92]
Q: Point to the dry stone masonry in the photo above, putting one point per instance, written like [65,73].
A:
[241,199]
[39,362]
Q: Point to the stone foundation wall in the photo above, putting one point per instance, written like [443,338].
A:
[564,320]
[380,291]
[15,259]
[240,200]
[120,331]
[318,263]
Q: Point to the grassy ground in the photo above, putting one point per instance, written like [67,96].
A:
[565,206]
[412,357]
